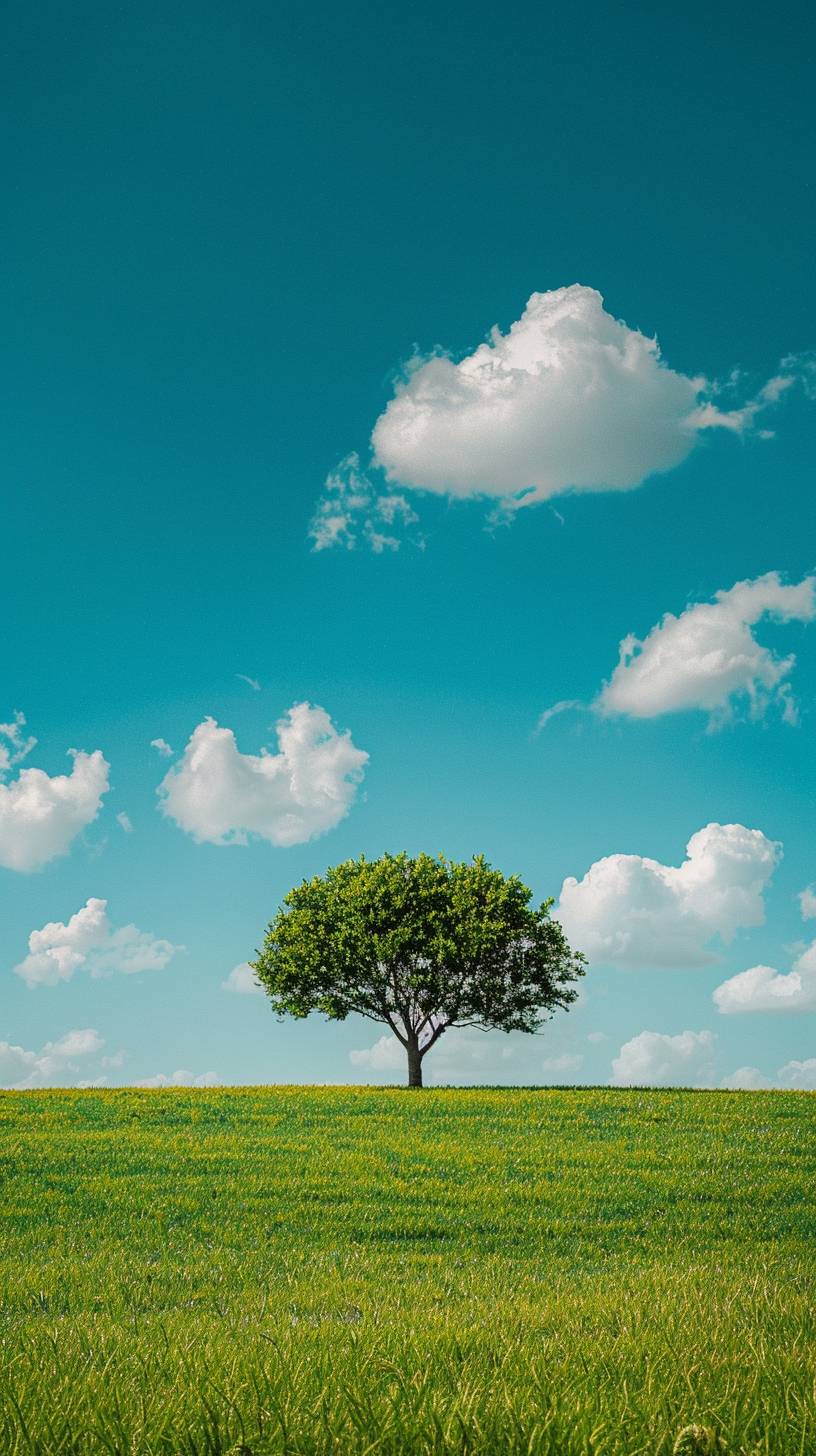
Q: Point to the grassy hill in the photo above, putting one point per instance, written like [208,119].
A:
[378,1271]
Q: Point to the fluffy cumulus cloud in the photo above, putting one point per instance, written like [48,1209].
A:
[222,796]
[764,989]
[55,1065]
[709,658]
[570,398]
[40,816]
[243,981]
[653,1059]
[181,1078]
[89,942]
[632,911]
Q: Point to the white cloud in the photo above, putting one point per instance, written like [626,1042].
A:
[807,903]
[352,511]
[566,705]
[764,989]
[467,1056]
[89,942]
[181,1078]
[251,682]
[799,1074]
[652,1059]
[243,981]
[597,1037]
[708,657]
[794,1075]
[633,911]
[748,1079]
[162,747]
[53,1066]
[75,1044]
[222,796]
[40,816]
[559,1066]
[569,399]
[123,820]
[386,1055]
[17,746]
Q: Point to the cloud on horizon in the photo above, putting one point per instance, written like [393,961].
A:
[653,1059]
[794,1076]
[181,1078]
[53,1066]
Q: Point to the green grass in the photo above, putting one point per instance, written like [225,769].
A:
[378,1271]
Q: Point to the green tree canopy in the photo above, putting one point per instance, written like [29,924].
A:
[419,945]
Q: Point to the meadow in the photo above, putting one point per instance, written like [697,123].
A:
[357,1270]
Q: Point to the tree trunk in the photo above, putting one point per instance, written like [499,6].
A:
[414,1065]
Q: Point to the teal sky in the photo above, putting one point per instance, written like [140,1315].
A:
[228,231]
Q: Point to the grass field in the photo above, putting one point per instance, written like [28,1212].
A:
[379,1271]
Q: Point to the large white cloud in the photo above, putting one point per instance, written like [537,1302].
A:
[88,941]
[53,1066]
[632,911]
[761,988]
[222,796]
[708,657]
[569,398]
[653,1059]
[40,816]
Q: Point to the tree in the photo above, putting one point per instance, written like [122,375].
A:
[419,945]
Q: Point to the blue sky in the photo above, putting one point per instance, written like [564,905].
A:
[231,233]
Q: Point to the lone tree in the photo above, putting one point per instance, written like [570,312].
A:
[418,945]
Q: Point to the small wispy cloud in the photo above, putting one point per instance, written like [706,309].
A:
[567,705]
[807,903]
[162,747]
[353,511]
[251,682]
